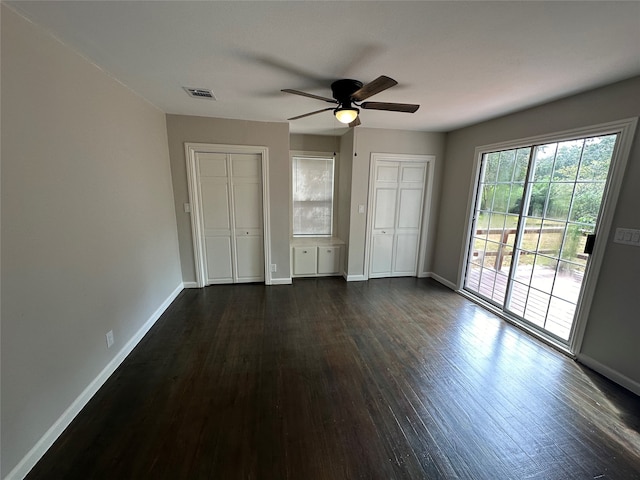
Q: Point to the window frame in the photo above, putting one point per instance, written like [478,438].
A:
[334,207]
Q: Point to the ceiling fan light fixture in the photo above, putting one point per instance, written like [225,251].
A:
[346,115]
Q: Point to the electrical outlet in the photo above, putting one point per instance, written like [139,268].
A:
[109,338]
[274,267]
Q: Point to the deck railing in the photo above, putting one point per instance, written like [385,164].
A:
[500,254]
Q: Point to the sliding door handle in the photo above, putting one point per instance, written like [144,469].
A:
[589,244]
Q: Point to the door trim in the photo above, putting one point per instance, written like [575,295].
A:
[197,227]
[429,161]
[625,129]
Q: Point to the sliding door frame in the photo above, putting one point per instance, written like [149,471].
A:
[625,129]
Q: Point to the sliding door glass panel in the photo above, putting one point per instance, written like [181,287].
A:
[499,200]
[534,209]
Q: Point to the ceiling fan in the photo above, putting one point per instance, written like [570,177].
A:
[347,92]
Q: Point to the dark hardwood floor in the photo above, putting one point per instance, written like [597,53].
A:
[385,379]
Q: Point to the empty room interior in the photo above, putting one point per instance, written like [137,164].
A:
[320,240]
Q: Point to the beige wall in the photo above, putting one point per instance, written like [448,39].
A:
[88,227]
[274,136]
[314,143]
[344,191]
[368,141]
[613,328]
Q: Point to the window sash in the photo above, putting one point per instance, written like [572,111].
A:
[313,189]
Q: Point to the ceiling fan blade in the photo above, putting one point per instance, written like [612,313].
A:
[355,123]
[378,85]
[311,113]
[392,107]
[310,95]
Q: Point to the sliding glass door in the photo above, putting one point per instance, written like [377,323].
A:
[535,211]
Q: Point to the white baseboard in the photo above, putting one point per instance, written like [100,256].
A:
[441,280]
[610,373]
[356,278]
[40,448]
[190,284]
[281,281]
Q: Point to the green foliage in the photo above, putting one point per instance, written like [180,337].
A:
[558,168]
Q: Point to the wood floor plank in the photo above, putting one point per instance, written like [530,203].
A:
[324,379]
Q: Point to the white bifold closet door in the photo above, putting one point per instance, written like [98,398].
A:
[397,218]
[233,228]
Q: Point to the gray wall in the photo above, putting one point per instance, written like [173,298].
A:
[88,227]
[274,136]
[613,327]
[368,141]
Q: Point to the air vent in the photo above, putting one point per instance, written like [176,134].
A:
[200,93]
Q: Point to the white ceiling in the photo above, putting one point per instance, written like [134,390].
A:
[463,62]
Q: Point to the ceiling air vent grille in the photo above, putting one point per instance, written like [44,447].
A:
[200,93]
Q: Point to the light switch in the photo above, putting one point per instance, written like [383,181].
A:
[187,208]
[627,236]
[360,208]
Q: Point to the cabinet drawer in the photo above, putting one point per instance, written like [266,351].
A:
[328,260]
[304,260]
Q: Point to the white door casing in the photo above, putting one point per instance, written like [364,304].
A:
[231,240]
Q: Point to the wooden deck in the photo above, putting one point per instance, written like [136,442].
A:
[550,304]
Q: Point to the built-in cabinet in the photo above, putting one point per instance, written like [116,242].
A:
[311,257]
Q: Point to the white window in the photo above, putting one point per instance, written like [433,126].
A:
[312,195]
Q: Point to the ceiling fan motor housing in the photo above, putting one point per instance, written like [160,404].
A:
[343,89]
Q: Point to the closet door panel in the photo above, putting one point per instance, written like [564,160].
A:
[248,206]
[216,217]
[410,209]
[219,259]
[250,258]
[385,208]
[212,165]
[406,254]
[246,166]
[382,255]
[246,172]
[215,203]
[413,174]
